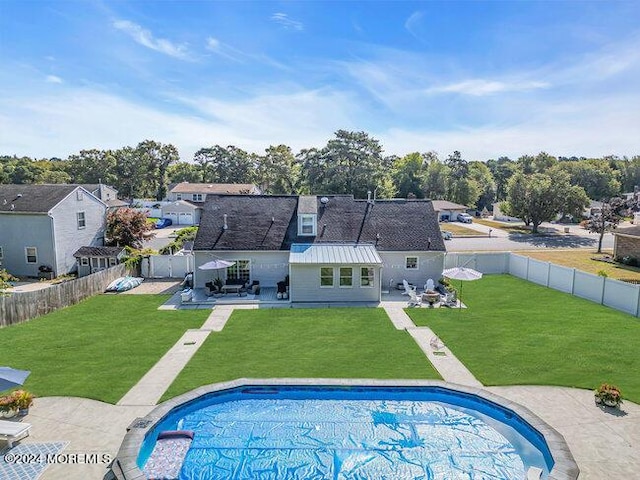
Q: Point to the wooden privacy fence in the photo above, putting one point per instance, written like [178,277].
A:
[20,307]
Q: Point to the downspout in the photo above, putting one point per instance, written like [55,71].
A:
[53,242]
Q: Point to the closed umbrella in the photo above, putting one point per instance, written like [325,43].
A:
[462,274]
[10,377]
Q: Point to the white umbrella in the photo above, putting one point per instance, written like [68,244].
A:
[462,273]
[216,265]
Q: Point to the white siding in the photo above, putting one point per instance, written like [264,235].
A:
[430,265]
[305,285]
[268,268]
[68,238]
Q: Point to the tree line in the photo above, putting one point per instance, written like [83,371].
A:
[350,163]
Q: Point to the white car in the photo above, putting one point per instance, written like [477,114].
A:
[447,235]
[465,218]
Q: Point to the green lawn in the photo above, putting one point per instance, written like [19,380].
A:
[330,343]
[97,349]
[516,332]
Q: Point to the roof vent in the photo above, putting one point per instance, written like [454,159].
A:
[4,202]
[324,200]
[225,226]
[19,195]
[13,207]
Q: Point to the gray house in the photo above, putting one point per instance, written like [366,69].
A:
[333,248]
[44,225]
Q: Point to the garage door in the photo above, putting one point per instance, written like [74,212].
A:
[171,216]
[185,219]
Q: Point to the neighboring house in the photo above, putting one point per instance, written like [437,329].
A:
[626,243]
[44,225]
[448,211]
[106,193]
[94,259]
[334,248]
[197,192]
[181,212]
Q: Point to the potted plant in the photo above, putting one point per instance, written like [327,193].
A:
[23,400]
[608,395]
[8,407]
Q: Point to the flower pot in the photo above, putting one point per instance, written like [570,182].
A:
[610,403]
[23,412]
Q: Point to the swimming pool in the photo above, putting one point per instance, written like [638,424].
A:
[246,430]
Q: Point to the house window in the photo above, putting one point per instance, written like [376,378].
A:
[80,195]
[346,276]
[411,263]
[307,225]
[1,253]
[197,197]
[84,261]
[326,276]
[366,276]
[241,270]
[82,222]
[31,254]
[112,261]
[178,196]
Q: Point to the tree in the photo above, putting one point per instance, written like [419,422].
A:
[502,170]
[131,174]
[226,165]
[435,179]
[350,163]
[127,228]
[92,166]
[538,198]
[407,174]
[611,213]
[597,178]
[279,171]
[184,172]
[480,174]
[157,158]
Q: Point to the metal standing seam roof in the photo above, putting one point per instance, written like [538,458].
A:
[343,254]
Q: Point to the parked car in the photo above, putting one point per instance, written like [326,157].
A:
[447,235]
[465,218]
[163,222]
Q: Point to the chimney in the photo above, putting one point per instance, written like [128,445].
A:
[225,226]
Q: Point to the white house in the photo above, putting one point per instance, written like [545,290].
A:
[44,225]
[448,211]
[197,192]
[333,248]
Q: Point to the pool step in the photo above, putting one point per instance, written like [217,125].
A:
[534,473]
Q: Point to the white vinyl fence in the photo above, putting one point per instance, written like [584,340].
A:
[612,293]
[166,266]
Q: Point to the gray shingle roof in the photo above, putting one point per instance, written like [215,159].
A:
[213,188]
[261,222]
[633,231]
[32,198]
[98,252]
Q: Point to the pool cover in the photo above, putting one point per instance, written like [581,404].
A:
[262,439]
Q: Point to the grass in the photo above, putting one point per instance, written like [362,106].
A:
[329,343]
[519,333]
[582,260]
[97,349]
[459,230]
[519,228]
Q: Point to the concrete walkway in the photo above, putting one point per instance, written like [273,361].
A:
[448,366]
[151,387]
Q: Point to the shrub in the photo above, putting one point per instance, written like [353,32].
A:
[602,273]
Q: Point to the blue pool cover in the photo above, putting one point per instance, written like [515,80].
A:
[285,438]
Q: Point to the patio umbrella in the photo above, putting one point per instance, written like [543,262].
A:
[10,377]
[462,274]
[216,265]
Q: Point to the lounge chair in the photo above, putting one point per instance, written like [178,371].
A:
[408,288]
[430,285]
[414,299]
[169,452]
[13,431]
[450,300]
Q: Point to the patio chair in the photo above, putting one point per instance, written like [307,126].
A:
[408,288]
[450,300]
[414,299]
[430,285]
[13,431]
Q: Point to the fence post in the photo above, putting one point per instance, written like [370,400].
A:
[604,285]
[638,302]
[527,272]
[573,282]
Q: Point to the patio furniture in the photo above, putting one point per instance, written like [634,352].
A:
[431,297]
[13,431]
[408,288]
[414,299]
[211,288]
[450,300]
[168,454]
[186,295]
[232,288]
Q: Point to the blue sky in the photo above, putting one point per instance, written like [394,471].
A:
[486,78]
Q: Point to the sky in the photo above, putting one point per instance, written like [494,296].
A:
[488,79]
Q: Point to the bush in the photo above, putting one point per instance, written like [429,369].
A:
[602,273]
[182,235]
[629,260]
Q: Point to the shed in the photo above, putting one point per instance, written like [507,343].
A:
[94,259]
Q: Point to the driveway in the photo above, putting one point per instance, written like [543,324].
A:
[163,237]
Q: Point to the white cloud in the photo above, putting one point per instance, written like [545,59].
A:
[288,23]
[145,37]
[480,87]
[53,79]
[412,24]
